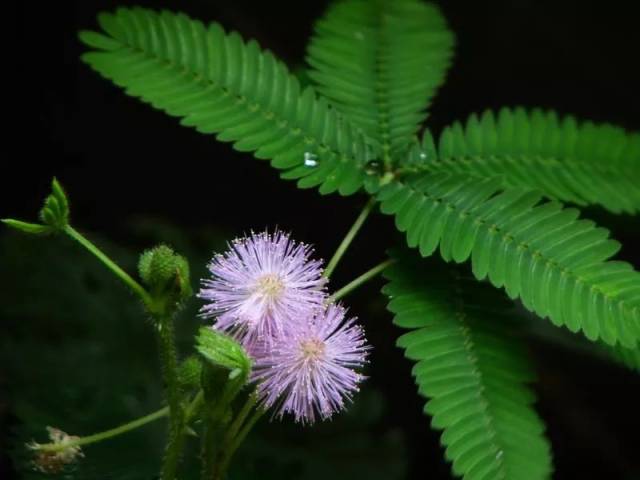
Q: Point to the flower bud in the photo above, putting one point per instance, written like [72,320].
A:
[166,274]
[55,212]
[54,461]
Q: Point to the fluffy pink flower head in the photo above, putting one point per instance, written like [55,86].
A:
[309,371]
[262,282]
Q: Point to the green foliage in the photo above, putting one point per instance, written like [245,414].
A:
[539,252]
[381,62]
[218,83]
[222,351]
[472,368]
[55,211]
[475,193]
[581,163]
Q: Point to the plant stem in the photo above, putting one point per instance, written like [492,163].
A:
[214,425]
[114,432]
[193,407]
[169,363]
[344,245]
[119,430]
[232,432]
[229,449]
[365,277]
[110,264]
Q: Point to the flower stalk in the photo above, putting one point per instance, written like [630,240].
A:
[359,281]
[346,242]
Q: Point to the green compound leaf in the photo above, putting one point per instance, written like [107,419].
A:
[539,252]
[218,83]
[381,62]
[580,163]
[472,369]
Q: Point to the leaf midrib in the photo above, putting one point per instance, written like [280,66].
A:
[206,82]
[530,160]
[505,237]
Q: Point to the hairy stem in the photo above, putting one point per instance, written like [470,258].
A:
[232,432]
[121,429]
[169,364]
[344,245]
[357,282]
[230,448]
[212,440]
[110,264]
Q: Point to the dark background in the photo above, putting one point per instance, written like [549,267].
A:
[126,165]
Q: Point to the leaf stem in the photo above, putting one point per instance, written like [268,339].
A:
[240,418]
[344,245]
[229,450]
[357,282]
[110,264]
[98,437]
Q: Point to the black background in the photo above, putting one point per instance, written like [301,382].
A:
[119,158]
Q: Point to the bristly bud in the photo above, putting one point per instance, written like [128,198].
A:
[54,214]
[54,461]
[166,274]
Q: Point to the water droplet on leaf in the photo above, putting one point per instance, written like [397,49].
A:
[373,167]
[310,159]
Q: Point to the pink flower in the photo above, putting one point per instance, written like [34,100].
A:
[260,284]
[309,370]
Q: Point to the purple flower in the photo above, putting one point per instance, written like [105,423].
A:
[309,370]
[262,282]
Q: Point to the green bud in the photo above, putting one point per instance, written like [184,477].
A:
[55,211]
[166,274]
[54,214]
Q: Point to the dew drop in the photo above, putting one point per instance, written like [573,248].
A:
[423,156]
[310,159]
[373,167]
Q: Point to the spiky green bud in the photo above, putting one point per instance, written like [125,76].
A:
[54,214]
[166,274]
